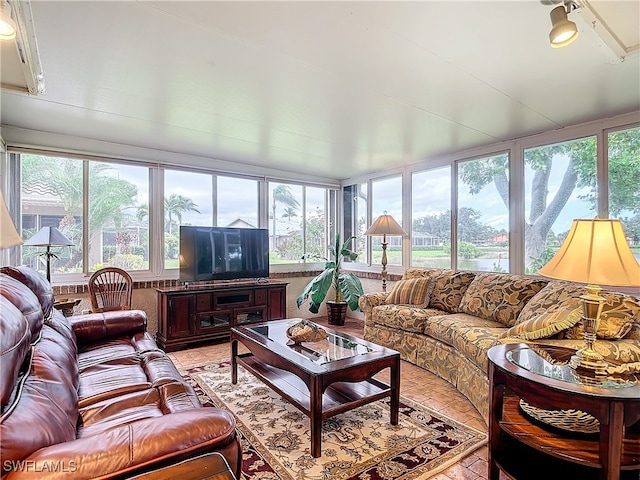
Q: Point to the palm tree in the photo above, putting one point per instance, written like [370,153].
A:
[289,213]
[175,206]
[281,194]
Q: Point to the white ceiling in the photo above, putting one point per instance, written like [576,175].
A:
[331,89]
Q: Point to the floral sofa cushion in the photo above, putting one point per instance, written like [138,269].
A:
[404,317]
[554,295]
[448,288]
[425,272]
[444,327]
[474,342]
[499,297]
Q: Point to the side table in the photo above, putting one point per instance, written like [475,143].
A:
[522,446]
[66,305]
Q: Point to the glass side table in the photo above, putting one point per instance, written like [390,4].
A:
[547,420]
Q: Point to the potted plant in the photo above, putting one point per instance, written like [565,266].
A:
[347,286]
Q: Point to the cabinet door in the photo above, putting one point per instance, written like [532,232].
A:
[250,315]
[213,322]
[179,312]
[277,303]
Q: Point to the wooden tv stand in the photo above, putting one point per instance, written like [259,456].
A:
[199,313]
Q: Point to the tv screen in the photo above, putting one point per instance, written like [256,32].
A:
[222,253]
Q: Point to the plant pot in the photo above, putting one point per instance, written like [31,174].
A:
[336,312]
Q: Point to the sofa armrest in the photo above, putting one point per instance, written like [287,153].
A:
[370,300]
[132,448]
[98,326]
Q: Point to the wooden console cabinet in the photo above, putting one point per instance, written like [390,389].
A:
[207,312]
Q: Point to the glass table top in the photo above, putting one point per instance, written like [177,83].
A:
[554,363]
[334,347]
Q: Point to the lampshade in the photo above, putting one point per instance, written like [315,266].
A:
[596,252]
[7,25]
[49,237]
[563,31]
[385,224]
[9,236]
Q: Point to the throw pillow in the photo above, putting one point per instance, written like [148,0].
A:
[414,291]
[499,296]
[448,290]
[546,325]
[616,320]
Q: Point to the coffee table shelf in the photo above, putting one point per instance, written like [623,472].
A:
[339,397]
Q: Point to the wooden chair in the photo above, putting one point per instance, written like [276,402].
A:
[110,289]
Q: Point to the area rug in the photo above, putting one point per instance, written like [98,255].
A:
[360,444]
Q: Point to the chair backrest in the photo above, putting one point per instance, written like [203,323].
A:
[110,289]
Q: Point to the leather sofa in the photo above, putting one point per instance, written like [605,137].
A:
[92,396]
[445,321]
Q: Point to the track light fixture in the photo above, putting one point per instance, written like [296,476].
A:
[7,24]
[563,31]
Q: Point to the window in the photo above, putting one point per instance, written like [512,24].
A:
[483,214]
[560,186]
[355,219]
[52,196]
[188,200]
[431,218]
[386,196]
[117,238]
[237,202]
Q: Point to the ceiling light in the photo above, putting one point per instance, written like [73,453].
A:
[563,31]
[7,24]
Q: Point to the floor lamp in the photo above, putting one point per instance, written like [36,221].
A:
[49,237]
[385,225]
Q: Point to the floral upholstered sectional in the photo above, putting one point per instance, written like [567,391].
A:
[446,320]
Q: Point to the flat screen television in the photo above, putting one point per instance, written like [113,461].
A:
[223,253]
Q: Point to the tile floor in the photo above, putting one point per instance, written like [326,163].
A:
[416,384]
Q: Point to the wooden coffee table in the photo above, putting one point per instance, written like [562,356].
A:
[321,379]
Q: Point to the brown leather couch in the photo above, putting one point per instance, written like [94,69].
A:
[92,396]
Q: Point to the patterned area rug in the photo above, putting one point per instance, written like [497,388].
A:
[359,444]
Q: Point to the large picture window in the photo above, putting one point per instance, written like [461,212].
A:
[386,197]
[560,186]
[483,214]
[431,218]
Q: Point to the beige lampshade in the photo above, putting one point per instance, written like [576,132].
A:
[9,236]
[596,252]
[385,224]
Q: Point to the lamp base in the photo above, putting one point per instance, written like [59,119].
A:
[588,359]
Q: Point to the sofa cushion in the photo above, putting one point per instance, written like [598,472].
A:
[546,324]
[425,272]
[443,327]
[15,292]
[499,296]
[554,295]
[448,290]
[414,291]
[404,317]
[474,342]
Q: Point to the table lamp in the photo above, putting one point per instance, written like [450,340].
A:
[385,225]
[49,237]
[595,252]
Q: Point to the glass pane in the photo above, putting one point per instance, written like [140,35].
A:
[52,197]
[624,182]
[386,196]
[285,230]
[483,214]
[359,212]
[315,224]
[237,202]
[188,200]
[560,186]
[118,231]
[431,214]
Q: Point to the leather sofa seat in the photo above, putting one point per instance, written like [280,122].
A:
[92,396]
